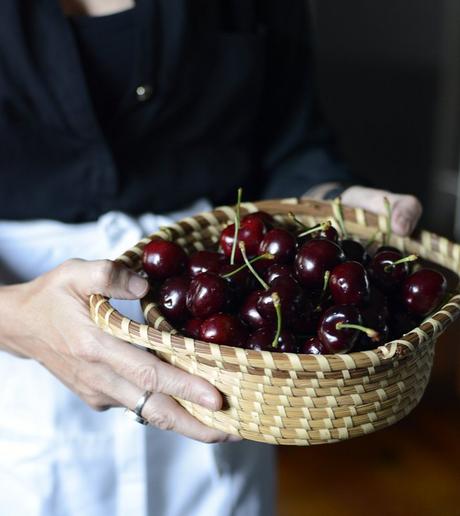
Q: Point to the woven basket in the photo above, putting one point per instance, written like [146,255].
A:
[284,398]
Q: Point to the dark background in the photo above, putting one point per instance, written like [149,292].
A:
[388,80]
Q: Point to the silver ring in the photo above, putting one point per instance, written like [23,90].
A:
[136,414]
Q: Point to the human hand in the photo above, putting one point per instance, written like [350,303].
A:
[48,320]
[406,209]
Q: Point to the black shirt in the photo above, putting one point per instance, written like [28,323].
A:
[222,96]
[109,49]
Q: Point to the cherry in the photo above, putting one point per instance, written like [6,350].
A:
[349,284]
[262,216]
[162,259]
[192,327]
[301,318]
[289,292]
[374,316]
[423,291]
[224,329]
[239,282]
[207,294]
[277,270]
[172,298]
[354,251]
[249,312]
[262,340]
[280,243]
[312,346]
[325,230]
[384,271]
[205,261]
[313,259]
[251,234]
[366,343]
[339,328]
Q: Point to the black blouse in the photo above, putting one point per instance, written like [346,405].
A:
[209,96]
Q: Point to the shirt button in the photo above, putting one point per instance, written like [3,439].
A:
[144,92]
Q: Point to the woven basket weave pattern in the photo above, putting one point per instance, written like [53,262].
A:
[284,398]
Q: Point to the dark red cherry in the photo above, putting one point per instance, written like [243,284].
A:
[384,274]
[262,216]
[329,233]
[312,346]
[375,317]
[262,340]
[277,270]
[301,318]
[334,339]
[207,294]
[162,259]
[365,343]
[239,283]
[423,291]
[205,261]
[251,233]
[280,243]
[313,259]
[249,312]
[172,298]
[192,327]
[224,329]
[289,292]
[354,251]
[349,284]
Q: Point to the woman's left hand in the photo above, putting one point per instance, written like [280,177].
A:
[407,209]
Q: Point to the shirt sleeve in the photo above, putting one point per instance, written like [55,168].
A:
[297,150]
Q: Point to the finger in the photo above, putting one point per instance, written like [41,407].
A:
[407,211]
[406,208]
[165,413]
[105,277]
[149,373]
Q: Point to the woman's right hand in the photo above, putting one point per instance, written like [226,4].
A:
[48,320]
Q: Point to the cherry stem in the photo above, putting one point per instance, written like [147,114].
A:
[337,209]
[296,220]
[324,226]
[372,334]
[277,305]
[410,258]
[327,275]
[389,212]
[250,267]
[266,256]
[237,226]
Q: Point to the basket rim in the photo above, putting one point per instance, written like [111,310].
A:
[171,341]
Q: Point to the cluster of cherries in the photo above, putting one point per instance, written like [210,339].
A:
[291,289]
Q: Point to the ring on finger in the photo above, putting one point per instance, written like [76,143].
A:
[136,414]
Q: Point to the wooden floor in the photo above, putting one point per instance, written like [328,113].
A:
[410,469]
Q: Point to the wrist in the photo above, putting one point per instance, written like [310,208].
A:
[11,308]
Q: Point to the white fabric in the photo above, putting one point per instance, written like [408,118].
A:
[60,458]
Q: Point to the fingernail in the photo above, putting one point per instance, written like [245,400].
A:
[137,285]
[209,401]
[404,225]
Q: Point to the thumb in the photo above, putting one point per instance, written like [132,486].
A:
[105,277]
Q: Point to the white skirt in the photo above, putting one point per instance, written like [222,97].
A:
[60,458]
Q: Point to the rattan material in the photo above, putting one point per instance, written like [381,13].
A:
[284,398]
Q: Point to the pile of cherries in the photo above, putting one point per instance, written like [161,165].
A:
[291,289]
